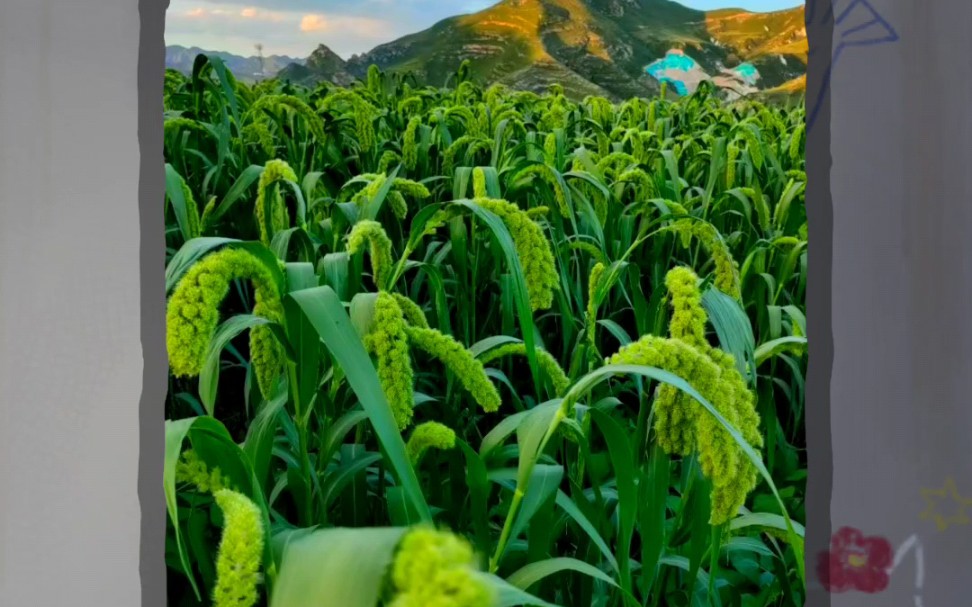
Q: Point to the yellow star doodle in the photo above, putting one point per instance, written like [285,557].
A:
[949,492]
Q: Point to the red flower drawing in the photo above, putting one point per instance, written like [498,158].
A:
[855,562]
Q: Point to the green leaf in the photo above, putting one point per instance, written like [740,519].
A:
[326,314]
[507,426]
[530,574]
[338,566]
[337,431]
[653,487]
[175,434]
[616,330]
[342,476]
[733,328]
[336,273]
[764,520]
[485,345]
[622,462]
[671,164]
[224,79]
[362,312]
[695,516]
[236,191]
[305,342]
[478,483]
[508,595]
[281,244]
[771,348]
[174,192]
[531,435]
[545,482]
[229,329]
[524,312]
[260,435]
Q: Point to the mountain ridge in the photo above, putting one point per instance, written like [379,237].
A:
[590,46]
[614,48]
[247,69]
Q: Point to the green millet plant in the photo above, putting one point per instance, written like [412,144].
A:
[388,159]
[435,568]
[192,209]
[732,153]
[389,342]
[411,310]
[429,435]
[192,314]
[688,316]
[479,183]
[240,551]
[370,232]
[172,125]
[532,248]
[550,149]
[688,427]
[597,272]
[470,143]
[192,470]
[400,189]
[276,103]
[616,163]
[460,361]
[258,134]
[546,360]
[641,181]
[675,433]
[274,172]
[726,268]
[546,174]
[362,112]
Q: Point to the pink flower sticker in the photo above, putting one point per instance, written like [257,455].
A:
[855,562]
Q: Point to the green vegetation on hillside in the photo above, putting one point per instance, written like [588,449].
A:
[592,47]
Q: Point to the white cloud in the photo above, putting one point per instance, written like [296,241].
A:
[296,27]
[313,23]
[256,14]
[250,13]
[362,27]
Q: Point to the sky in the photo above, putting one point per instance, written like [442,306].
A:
[295,27]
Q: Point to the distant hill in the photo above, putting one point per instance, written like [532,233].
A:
[246,69]
[322,65]
[605,47]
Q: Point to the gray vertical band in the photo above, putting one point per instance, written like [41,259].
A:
[151,188]
[820,343]
[900,417]
[70,358]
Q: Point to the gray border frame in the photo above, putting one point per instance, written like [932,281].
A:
[118,15]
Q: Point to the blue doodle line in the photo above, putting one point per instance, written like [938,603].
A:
[890,36]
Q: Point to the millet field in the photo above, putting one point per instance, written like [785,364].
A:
[476,347]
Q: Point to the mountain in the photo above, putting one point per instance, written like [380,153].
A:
[246,69]
[617,48]
[322,64]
